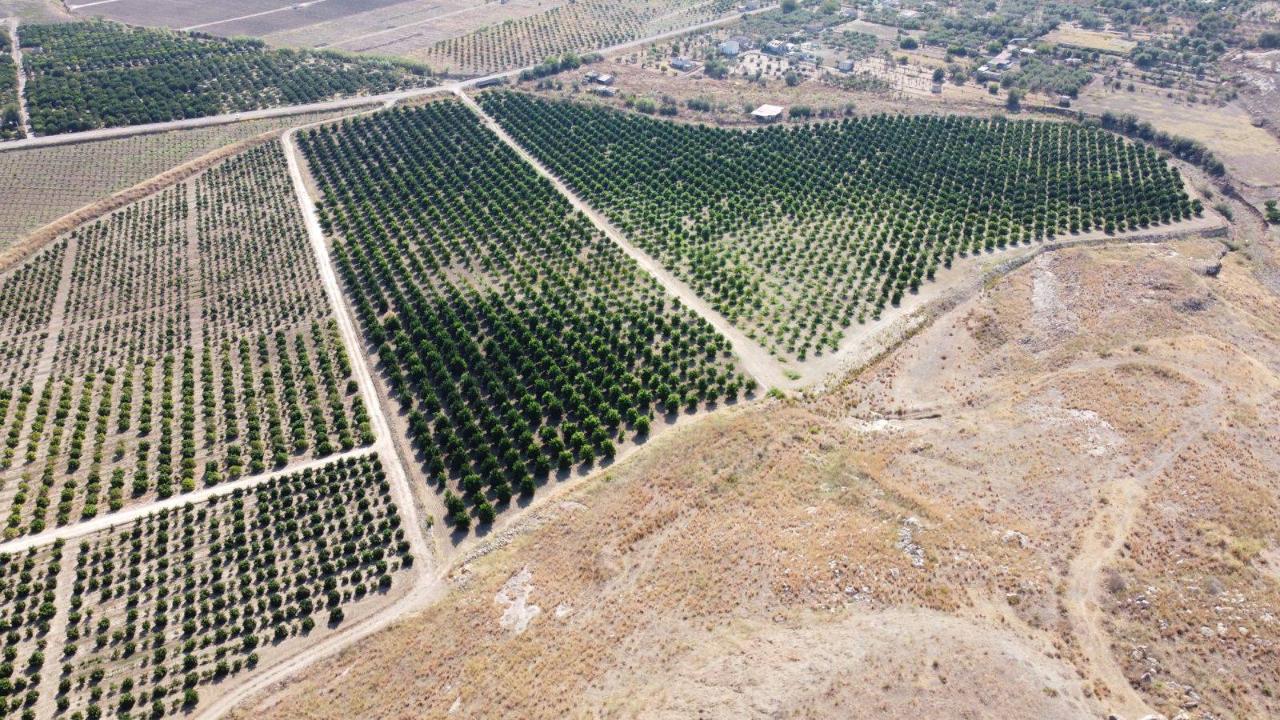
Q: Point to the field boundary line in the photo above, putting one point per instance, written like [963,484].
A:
[128,515]
[195,287]
[415,23]
[38,238]
[757,361]
[15,51]
[57,314]
[425,583]
[341,103]
[384,444]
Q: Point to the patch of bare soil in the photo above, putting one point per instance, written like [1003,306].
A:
[1060,500]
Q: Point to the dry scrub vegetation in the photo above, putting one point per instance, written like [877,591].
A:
[1058,501]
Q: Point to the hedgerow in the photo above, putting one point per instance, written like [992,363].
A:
[796,232]
[95,73]
[518,339]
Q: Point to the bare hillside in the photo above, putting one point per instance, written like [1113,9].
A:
[1050,504]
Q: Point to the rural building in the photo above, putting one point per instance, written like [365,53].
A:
[767,113]
[730,48]
[744,43]
[775,47]
[845,66]
[605,91]
[603,79]
[936,88]
[683,63]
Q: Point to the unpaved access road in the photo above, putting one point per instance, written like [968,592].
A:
[427,584]
[757,361]
[341,103]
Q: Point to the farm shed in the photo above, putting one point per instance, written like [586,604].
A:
[682,63]
[775,47]
[767,113]
[845,66]
[730,48]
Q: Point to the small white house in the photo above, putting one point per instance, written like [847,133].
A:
[730,48]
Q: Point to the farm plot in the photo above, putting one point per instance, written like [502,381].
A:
[41,185]
[405,27]
[91,74]
[794,233]
[28,583]
[574,27]
[228,18]
[26,307]
[168,344]
[169,609]
[516,338]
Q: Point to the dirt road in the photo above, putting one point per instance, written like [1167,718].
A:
[757,361]
[426,583]
[339,104]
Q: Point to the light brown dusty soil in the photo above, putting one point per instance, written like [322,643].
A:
[1058,501]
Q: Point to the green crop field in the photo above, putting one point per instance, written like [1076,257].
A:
[795,233]
[518,339]
[188,598]
[183,350]
[93,74]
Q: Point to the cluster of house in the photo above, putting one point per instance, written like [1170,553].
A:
[738,44]
[1012,55]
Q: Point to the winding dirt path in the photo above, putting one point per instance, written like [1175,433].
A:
[1110,528]
[757,361]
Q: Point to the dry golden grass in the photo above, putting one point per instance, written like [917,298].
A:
[920,541]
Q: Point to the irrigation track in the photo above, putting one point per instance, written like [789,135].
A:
[341,103]
[15,50]
[755,359]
